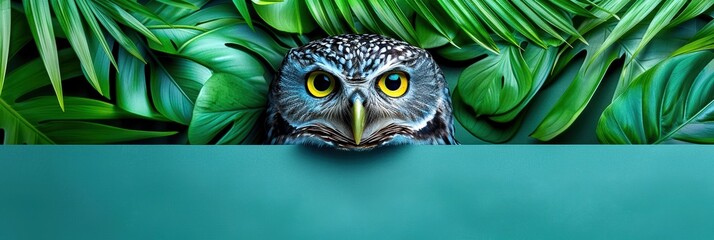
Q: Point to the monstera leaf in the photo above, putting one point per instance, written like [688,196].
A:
[228,102]
[670,103]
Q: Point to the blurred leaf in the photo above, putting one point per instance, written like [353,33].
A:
[227,101]
[669,103]
[288,16]
[40,20]
[5,26]
[496,84]
[70,21]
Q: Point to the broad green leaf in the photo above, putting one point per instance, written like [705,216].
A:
[5,27]
[217,50]
[134,7]
[470,25]
[227,102]
[40,21]
[540,62]
[604,10]
[101,62]
[573,8]
[327,15]
[41,109]
[168,13]
[395,18]
[482,127]
[657,50]
[70,21]
[496,84]
[288,16]
[80,132]
[242,7]
[88,14]
[131,90]
[17,129]
[670,103]
[581,89]
[267,2]
[174,84]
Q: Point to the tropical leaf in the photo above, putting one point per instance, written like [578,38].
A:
[482,127]
[230,105]
[40,20]
[29,119]
[669,103]
[6,25]
[287,16]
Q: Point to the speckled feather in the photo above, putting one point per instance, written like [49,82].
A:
[421,116]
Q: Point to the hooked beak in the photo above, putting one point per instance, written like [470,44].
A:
[358,120]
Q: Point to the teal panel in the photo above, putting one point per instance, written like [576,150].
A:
[414,192]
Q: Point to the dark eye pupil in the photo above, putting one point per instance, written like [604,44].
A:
[322,82]
[393,82]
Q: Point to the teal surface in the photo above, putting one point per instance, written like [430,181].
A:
[415,192]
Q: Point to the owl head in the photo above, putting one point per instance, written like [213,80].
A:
[357,92]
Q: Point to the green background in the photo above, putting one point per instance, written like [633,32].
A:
[411,192]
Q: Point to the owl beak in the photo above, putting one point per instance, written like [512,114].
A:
[358,119]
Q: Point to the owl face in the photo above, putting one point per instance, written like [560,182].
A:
[359,92]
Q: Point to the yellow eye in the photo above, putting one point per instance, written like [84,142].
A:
[320,84]
[394,84]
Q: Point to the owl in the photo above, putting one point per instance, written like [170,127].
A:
[359,92]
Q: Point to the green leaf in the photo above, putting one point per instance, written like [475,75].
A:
[540,62]
[693,9]
[492,21]
[366,16]
[458,12]
[431,12]
[288,16]
[543,15]
[127,19]
[482,127]
[635,14]
[131,90]
[5,27]
[17,129]
[428,36]
[660,20]
[175,83]
[670,103]
[395,19]
[327,15]
[40,21]
[581,89]
[79,132]
[242,7]
[496,84]
[704,40]
[511,15]
[70,21]
[180,4]
[113,29]
[463,52]
[227,101]
[88,14]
